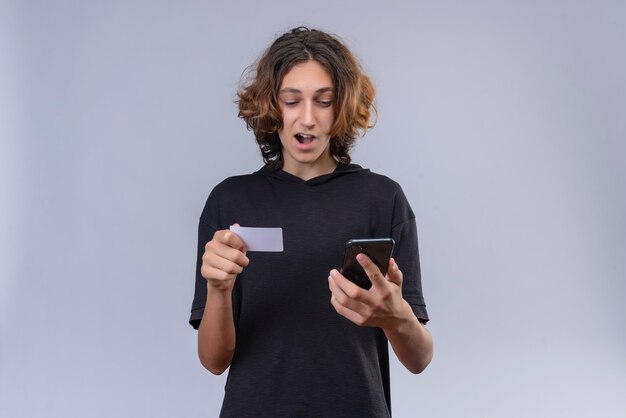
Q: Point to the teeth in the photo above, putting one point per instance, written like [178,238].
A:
[304,139]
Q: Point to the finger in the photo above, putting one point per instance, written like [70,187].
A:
[212,273]
[347,313]
[350,289]
[231,239]
[232,254]
[216,261]
[343,299]
[371,269]
[394,274]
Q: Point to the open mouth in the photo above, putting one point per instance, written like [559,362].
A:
[304,138]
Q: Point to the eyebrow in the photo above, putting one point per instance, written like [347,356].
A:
[318,91]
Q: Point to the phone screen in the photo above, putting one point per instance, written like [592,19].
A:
[378,250]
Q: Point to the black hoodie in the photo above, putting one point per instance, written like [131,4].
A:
[295,356]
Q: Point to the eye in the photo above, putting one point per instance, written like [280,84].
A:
[325,103]
[290,103]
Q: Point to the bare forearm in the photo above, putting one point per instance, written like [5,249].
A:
[411,341]
[216,335]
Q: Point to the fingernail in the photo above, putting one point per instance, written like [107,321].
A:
[333,273]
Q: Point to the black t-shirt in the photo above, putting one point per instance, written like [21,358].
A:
[295,356]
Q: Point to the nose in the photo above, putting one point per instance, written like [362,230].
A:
[307,118]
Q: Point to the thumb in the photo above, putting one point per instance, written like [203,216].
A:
[394,275]
[242,247]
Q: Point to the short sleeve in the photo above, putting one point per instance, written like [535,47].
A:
[208,224]
[406,254]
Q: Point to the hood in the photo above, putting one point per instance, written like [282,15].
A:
[340,170]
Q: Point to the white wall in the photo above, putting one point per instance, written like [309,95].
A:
[503,121]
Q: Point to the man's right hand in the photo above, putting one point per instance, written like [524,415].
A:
[224,258]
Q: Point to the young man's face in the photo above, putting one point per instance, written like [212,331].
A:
[306,97]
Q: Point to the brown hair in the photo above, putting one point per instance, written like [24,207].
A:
[353,100]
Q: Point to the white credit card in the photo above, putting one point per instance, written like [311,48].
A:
[260,239]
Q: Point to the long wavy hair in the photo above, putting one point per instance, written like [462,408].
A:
[353,99]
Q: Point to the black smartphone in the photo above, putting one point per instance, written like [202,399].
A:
[377,249]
